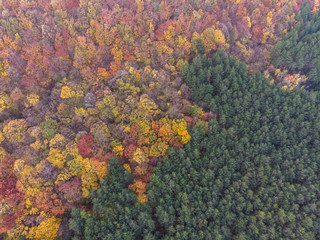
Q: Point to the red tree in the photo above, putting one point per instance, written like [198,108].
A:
[84,145]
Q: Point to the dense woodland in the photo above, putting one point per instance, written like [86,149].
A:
[251,174]
[193,119]
[299,50]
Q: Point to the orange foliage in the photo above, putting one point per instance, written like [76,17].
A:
[48,201]
[139,187]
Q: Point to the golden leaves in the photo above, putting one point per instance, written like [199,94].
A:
[3,69]
[47,229]
[148,106]
[127,167]
[1,137]
[118,150]
[15,130]
[169,33]
[159,149]
[140,6]
[269,18]
[58,141]
[249,21]
[151,139]
[32,99]
[180,126]
[117,54]
[18,166]
[140,187]
[219,37]
[57,157]
[66,92]
[139,156]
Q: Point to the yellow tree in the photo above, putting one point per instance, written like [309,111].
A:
[180,127]
[67,92]
[57,157]
[148,106]
[117,54]
[3,69]
[141,160]
[139,187]
[47,229]
[5,101]
[208,37]
[219,37]
[15,130]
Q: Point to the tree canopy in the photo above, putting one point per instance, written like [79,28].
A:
[252,173]
[298,51]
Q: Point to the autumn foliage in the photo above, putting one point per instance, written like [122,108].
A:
[11,203]
[84,81]
[84,145]
[151,140]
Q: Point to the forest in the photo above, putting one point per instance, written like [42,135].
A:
[155,119]
[299,52]
[253,173]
